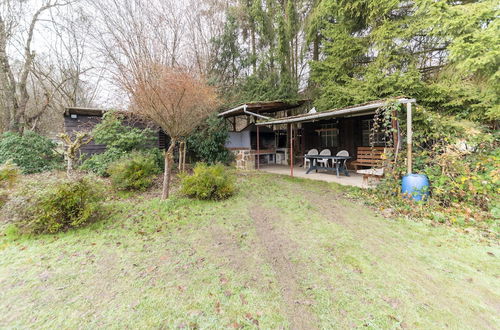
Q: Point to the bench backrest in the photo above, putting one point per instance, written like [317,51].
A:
[370,156]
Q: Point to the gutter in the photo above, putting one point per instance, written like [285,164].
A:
[331,113]
[244,107]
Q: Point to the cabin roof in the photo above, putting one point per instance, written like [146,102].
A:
[262,107]
[354,110]
[98,112]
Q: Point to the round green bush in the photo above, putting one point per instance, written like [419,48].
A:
[99,163]
[208,182]
[32,152]
[134,172]
[51,207]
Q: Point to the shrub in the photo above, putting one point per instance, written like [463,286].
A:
[208,182]
[112,132]
[207,142]
[119,139]
[52,207]
[461,161]
[99,163]
[32,152]
[9,173]
[134,172]
[4,197]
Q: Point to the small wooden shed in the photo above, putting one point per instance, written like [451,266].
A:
[78,119]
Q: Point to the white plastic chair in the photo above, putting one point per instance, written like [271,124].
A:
[343,153]
[312,152]
[324,161]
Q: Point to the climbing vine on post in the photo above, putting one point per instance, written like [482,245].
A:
[383,122]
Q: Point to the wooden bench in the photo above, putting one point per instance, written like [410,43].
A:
[372,157]
[369,157]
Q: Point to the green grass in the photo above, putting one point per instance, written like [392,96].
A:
[279,248]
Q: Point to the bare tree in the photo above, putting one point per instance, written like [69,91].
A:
[63,76]
[14,85]
[72,146]
[145,43]
[175,99]
[205,21]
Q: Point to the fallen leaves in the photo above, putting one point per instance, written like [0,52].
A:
[218,309]
[152,269]
[234,325]
[252,319]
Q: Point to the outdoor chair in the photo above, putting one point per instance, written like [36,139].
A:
[324,161]
[343,153]
[312,152]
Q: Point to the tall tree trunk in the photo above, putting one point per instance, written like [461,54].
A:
[17,91]
[184,157]
[181,155]
[168,168]
[254,51]
[69,169]
[315,55]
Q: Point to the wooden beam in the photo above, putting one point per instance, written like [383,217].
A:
[258,148]
[409,133]
[291,150]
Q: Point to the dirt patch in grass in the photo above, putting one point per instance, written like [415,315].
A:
[278,250]
[225,245]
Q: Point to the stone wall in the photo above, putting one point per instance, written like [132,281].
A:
[245,159]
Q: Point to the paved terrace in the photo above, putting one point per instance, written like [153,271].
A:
[353,179]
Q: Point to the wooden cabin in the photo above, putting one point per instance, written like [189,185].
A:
[298,130]
[78,119]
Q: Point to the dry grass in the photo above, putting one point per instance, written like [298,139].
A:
[282,253]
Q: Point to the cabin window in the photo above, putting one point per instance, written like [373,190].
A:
[379,137]
[329,135]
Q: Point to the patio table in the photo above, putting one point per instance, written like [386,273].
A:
[338,160]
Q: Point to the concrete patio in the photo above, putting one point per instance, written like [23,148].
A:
[353,179]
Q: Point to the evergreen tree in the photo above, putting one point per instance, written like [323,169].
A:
[269,35]
[446,54]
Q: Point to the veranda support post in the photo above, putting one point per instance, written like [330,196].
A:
[291,149]
[258,149]
[409,133]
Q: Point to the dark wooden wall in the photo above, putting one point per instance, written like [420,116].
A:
[350,135]
[87,123]
[84,123]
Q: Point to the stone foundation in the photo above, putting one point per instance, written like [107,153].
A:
[245,159]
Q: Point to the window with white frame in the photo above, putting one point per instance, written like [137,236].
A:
[329,135]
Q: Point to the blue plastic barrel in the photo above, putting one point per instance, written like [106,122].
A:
[415,186]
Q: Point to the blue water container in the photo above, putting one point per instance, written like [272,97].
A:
[416,186]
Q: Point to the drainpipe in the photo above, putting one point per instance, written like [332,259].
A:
[253,114]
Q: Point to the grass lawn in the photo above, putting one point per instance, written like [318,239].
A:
[282,253]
